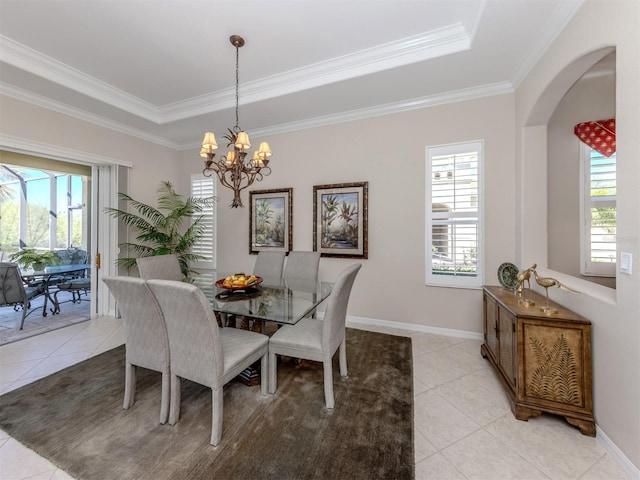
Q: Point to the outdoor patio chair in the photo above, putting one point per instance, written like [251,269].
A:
[14,293]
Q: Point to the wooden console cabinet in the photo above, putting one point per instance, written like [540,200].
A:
[544,361]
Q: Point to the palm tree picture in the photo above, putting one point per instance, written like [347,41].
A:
[340,220]
[269,222]
[340,212]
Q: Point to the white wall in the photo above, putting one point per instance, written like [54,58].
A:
[389,153]
[615,316]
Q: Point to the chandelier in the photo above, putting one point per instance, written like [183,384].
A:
[233,170]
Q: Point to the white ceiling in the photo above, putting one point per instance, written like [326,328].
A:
[164,70]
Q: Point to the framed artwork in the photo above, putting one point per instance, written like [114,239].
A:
[340,214]
[270,220]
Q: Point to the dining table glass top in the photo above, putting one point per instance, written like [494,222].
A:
[286,303]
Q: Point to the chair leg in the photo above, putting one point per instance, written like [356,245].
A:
[273,365]
[164,402]
[25,307]
[174,403]
[129,385]
[216,416]
[328,383]
[343,358]
[264,373]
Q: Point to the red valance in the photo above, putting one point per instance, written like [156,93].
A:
[599,135]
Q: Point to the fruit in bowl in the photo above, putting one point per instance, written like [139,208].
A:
[239,280]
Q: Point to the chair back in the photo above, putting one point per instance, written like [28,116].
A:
[164,267]
[302,266]
[11,287]
[269,266]
[336,313]
[72,256]
[194,336]
[145,330]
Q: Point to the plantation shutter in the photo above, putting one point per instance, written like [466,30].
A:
[599,229]
[454,207]
[205,187]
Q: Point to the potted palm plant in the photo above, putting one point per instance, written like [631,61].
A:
[36,259]
[161,230]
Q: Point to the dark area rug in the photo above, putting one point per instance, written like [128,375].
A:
[75,419]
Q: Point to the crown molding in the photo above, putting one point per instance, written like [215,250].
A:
[32,61]
[56,152]
[379,110]
[440,42]
[59,107]
[342,117]
[437,43]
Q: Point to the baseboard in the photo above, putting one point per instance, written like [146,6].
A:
[611,448]
[617,455]
[412,327]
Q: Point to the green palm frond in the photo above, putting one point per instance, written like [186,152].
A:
[161,230]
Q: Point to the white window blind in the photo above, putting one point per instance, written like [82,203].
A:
[205,187]
[598,227]
[454,201]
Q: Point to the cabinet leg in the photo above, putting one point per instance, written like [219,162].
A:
[586,427]
[524,413]
[483,351]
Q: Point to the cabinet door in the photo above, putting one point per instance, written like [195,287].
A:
[490,326]
[554,363]
[507,345]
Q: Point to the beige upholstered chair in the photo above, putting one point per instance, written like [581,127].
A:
[301,269]
[302,266]
[269,266]
[203,352]
[317,340]
[13,292]
[165,267]
[146,339]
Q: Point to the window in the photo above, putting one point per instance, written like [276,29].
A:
[454,250]
[42,209]
[205,187]
[598,226]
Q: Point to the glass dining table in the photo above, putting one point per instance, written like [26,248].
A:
[284,304]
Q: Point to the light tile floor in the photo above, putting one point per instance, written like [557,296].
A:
[464,428]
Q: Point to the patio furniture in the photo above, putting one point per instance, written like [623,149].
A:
[14,293]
